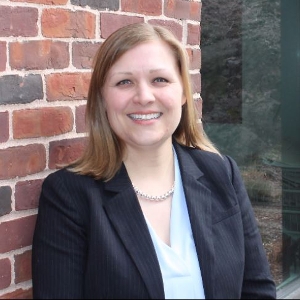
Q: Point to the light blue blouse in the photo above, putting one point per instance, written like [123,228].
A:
[179,263]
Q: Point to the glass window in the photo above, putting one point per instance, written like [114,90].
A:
[251,110]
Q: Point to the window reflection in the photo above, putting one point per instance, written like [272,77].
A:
[222,87]
[251,110]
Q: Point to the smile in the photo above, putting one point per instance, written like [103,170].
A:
[145,116]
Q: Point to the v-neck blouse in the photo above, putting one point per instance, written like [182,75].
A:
[179,263]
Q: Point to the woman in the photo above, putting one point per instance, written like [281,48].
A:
[151,209]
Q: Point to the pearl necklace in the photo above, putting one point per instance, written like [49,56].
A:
[154,198]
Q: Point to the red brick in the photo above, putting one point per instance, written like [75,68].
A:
[3,57]
[111,22]
[65,151]
[171,25]
[4,126]
[5,272]
[195,10]
[83,54]
[152,8]
[18,294]
[80,119]
[17,233]
[182,9]
[67,86]
[22,161]
[40,55]
[193,37]
[61,23]
[47,2]
[27,194]
[46,121]
[195,58]
[23,267]
[18,21]
[196,82]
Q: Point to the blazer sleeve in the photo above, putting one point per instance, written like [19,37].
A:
[258,282]
[58,250]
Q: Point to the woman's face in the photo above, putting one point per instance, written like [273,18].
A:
[143,95]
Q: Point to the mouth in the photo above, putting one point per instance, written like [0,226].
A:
[144,117]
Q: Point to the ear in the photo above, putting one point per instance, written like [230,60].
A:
[183,99]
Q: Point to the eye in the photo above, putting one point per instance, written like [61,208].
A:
[123,82]
[160,79]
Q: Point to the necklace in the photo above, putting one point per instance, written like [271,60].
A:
[154,198]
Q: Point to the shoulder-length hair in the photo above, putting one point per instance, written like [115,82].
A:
[104,151]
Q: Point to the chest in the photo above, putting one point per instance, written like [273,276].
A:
[158,215]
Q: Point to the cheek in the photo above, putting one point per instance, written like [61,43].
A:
[116,101]
[111,105]
[115,112]
[173,103]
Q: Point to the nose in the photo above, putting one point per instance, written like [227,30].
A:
[144,94]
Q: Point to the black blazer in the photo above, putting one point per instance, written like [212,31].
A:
[91,239]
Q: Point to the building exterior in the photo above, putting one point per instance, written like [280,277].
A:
[46,52]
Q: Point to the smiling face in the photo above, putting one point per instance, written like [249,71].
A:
[143,95]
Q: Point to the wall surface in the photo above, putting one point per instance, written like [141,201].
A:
[46,52]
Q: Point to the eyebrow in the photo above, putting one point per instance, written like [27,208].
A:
[130,73]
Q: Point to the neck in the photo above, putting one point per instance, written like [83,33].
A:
[150,165]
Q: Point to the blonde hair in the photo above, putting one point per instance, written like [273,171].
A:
[104,151]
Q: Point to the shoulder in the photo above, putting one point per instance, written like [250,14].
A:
[64,175]
[206,159]
[66,180]
[69,192]
[218,166]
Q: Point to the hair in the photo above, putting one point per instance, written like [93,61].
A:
[104,151]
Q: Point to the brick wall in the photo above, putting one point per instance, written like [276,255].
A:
[46,49]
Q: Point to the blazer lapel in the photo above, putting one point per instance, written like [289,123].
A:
[127,217]
[199,202]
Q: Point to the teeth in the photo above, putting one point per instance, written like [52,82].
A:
[144,117]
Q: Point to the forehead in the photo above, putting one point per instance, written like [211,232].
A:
[154,52]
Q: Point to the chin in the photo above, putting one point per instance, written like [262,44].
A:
[151,142]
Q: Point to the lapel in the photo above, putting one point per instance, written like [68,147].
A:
[199,203]
[127,218]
